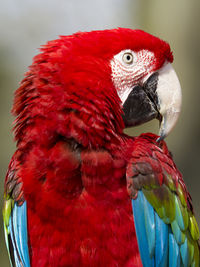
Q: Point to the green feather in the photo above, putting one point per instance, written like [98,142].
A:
[169,182]
[179,235]
[169,205]
[7,209]
[194,230]
[190,249]
[150,182]
[195,262]
[162,199]
[153,200]
[161,212]
[181,195]
[181,214]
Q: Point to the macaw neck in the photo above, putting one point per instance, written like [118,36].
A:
[59,101]
[89,126]
[81,108]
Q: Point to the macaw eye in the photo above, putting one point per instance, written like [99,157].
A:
[128,58]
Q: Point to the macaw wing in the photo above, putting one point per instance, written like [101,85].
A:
[15,219]
[166,229]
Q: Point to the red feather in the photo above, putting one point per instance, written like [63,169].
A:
[73,154]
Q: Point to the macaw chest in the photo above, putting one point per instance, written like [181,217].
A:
[90,232]
[94,228]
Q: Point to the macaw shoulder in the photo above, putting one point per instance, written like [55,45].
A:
[162,206]
[152,165]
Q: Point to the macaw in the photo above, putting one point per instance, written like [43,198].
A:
[79,191]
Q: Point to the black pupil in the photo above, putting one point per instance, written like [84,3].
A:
[128,57]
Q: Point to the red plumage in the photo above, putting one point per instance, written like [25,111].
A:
[72,154]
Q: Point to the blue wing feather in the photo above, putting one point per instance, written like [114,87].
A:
[139,219]
[19,235]
[179,218]
[23,234]
[161,249]
[157,244]
[150,226]
[184,253]
[174,253]
[166,229]
[179,236]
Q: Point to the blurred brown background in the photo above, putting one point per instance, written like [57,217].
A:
[26,24]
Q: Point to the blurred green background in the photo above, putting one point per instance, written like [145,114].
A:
[26,24]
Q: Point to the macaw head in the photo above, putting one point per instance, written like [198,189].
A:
[146,82]
[95,83]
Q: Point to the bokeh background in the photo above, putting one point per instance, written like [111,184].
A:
[26,24]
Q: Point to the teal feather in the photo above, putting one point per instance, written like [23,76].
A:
[139,219]
[179,235]
[184,253]
[19,235]
[150,226]
[161,250]
[174,253]
[181,216]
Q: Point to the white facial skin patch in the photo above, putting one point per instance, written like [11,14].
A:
[128,68]
[132,68]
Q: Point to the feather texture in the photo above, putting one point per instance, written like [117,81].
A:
[66,183]
[140,209]
[176,230]
[17,230]
[15,218]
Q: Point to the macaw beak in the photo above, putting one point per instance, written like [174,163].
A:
[158,97]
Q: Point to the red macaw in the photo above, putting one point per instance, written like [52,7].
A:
[80,192]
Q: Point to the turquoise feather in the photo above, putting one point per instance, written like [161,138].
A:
[179,235]
[184,253]
[139,219]
[174,253]
[150,226]
[162,235]
[181,218]
[160,244]
[19,235]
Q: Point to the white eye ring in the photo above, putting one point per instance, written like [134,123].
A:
[128,58]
